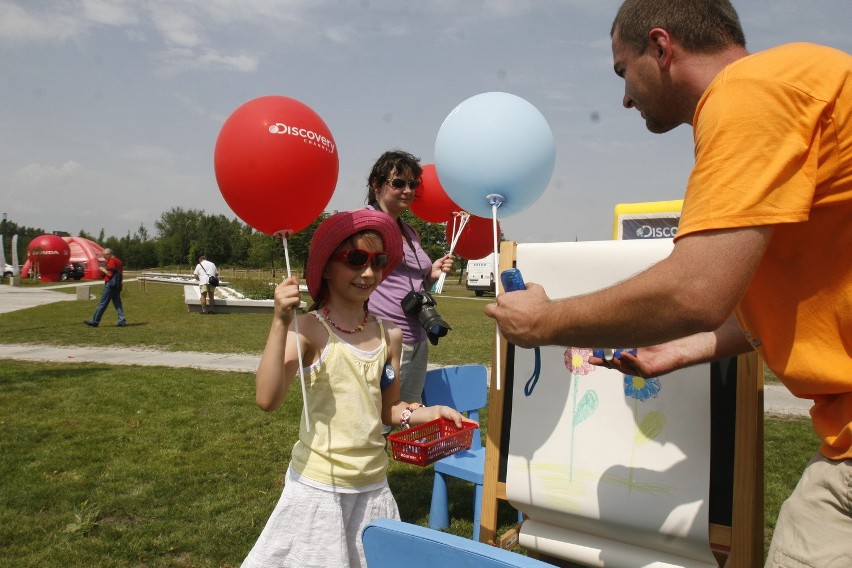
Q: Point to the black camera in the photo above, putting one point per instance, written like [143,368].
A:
[423,306]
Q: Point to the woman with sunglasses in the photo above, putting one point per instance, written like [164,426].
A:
[391,186]
[336,482]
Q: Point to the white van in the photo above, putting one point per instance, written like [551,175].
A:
[480,275]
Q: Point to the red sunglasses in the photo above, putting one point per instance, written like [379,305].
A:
[359,258]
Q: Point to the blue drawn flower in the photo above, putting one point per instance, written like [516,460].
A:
[639,388]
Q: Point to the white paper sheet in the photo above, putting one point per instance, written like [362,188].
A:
[621,461]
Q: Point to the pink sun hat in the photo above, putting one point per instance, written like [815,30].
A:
[339,227]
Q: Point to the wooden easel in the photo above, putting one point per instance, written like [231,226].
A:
[739,544]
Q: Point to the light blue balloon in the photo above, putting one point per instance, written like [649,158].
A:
[494,144]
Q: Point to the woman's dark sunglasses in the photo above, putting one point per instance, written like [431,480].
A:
[399,183]
[358,258]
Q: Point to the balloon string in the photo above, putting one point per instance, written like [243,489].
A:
[298,341]
[461,218]
[439,285]
[496,285]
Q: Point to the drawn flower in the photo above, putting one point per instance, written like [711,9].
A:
[577,361]
[639,388]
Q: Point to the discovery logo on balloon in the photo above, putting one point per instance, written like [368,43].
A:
[308,136]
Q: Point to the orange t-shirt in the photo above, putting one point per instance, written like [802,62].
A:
[773,146]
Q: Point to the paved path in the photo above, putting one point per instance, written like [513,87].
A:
[18,297]
[130,356]
[776,398]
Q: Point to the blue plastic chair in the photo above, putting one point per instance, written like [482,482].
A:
[464,388]
[384,540]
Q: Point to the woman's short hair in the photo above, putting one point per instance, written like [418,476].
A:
[393,160]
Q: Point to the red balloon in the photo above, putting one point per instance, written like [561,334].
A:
[48,255]
[431,203]
[276,164]
[476,239]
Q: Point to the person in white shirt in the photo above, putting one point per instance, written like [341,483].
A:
[203,271]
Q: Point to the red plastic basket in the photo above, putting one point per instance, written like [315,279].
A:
[427,443]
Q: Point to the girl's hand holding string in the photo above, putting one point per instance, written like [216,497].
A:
[286,298]
[279,362]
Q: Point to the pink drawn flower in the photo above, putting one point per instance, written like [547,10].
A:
[577,360]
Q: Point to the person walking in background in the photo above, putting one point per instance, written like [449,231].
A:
[336,482]
[203,272]
[761,257]
[113,273]
[391,184]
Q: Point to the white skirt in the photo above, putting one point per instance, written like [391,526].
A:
[313,528]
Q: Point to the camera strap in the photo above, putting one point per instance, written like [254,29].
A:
[407,238]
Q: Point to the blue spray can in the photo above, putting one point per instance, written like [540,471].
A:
[610,354]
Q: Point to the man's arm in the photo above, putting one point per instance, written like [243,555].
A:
[109,269]
[693,290]
[656,360]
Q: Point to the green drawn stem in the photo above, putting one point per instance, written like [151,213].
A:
[633,452]
[573,427]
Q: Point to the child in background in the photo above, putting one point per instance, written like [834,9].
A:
[337,479]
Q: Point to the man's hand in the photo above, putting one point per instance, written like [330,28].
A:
[518,315]
[656,360]
[648,362]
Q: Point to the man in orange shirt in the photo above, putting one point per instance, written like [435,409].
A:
[761,257]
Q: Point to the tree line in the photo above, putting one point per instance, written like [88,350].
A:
[182,234]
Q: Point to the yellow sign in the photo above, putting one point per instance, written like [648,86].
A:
[652,220]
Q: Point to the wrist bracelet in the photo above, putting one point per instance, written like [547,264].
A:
[406,414]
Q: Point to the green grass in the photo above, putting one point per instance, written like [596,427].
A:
[157,317]
[165,467]
[132,466]
[789,443]
[473,335]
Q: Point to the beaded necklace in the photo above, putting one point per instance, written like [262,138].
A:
[359,327]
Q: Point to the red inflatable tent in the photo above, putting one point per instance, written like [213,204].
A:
[86,252]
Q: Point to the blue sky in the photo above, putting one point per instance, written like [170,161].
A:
[109,110]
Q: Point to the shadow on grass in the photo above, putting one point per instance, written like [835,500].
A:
[29,375]
[412,488]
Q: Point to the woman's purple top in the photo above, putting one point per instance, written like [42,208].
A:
[385,301]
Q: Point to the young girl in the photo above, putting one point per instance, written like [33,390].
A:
[336,483]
